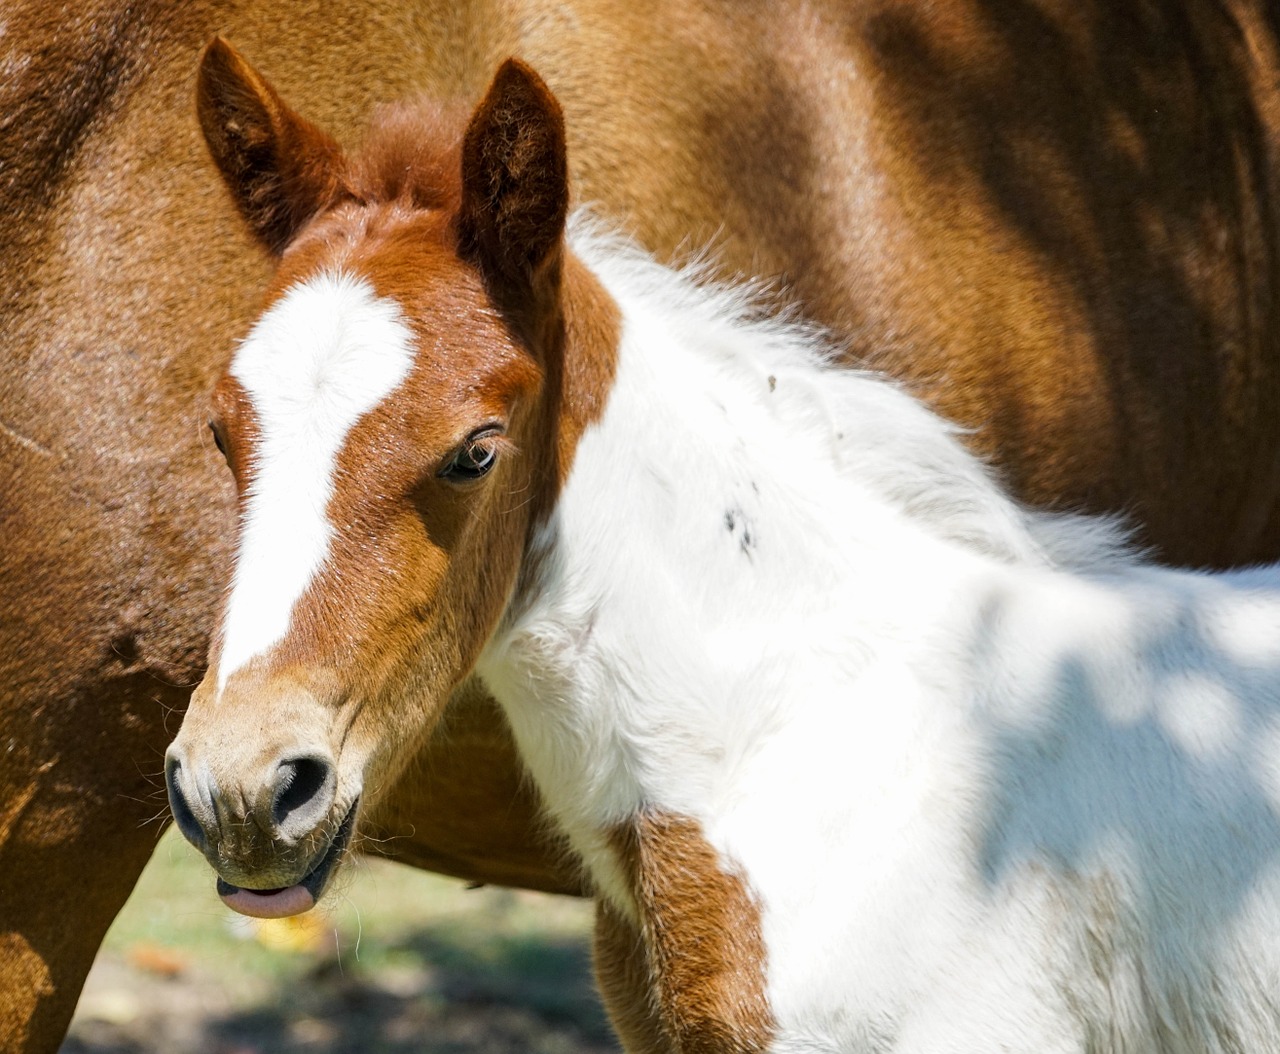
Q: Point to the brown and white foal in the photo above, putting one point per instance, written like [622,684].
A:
[857,753]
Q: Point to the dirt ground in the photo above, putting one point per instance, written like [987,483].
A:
[402,962]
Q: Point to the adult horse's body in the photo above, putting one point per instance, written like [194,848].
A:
[1057,218]
[857,754]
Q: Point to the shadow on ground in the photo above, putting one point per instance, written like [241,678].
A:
[429,991]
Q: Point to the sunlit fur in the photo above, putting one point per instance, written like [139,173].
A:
[995,784]
[1060,217]
[323,356]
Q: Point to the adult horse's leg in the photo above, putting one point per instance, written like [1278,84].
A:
[73,837]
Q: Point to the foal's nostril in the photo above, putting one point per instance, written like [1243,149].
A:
[305,789]
[182,814]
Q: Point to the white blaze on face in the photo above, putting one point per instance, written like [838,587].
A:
[323,356]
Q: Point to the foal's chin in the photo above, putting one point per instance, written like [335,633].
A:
[261,893]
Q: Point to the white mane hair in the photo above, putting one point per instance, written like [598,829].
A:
[885,437]
[993,782]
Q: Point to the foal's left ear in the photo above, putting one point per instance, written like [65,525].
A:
[515,186]
[280,168]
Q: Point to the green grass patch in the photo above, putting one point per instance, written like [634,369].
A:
[394,960]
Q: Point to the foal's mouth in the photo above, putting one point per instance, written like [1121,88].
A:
[301,896]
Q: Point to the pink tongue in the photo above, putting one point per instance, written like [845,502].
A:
[276,904]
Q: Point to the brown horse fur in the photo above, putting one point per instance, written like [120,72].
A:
[1056,219]
[700,938]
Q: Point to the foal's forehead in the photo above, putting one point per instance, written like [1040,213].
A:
[330,347]
[373,306]
[374,357]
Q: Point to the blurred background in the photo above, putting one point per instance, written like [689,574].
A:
[395,960]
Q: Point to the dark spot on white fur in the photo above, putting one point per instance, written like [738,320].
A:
[737,523]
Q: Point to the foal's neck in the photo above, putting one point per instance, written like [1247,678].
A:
[709,564]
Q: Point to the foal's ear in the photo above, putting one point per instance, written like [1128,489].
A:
[515,185]
[280,168]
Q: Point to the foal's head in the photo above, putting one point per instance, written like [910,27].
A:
[394,423]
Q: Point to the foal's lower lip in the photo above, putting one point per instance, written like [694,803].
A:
[290,900]
[267,904]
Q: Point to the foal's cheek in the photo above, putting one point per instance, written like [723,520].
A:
[443,510]
[390,736]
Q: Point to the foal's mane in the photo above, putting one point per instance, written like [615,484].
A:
[884,438]
[412,152]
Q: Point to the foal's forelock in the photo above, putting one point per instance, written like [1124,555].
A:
[323,356]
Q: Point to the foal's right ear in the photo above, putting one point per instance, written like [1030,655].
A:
[280,168]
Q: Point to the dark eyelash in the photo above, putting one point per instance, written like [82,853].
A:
[474,458]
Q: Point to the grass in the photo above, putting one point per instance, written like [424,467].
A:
[397,960]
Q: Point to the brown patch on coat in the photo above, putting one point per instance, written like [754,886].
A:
[591,320]
[701,931]
[625,979]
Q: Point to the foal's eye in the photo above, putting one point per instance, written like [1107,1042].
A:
[474,458]
[217,439]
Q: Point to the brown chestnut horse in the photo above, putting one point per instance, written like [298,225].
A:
[1055,217]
